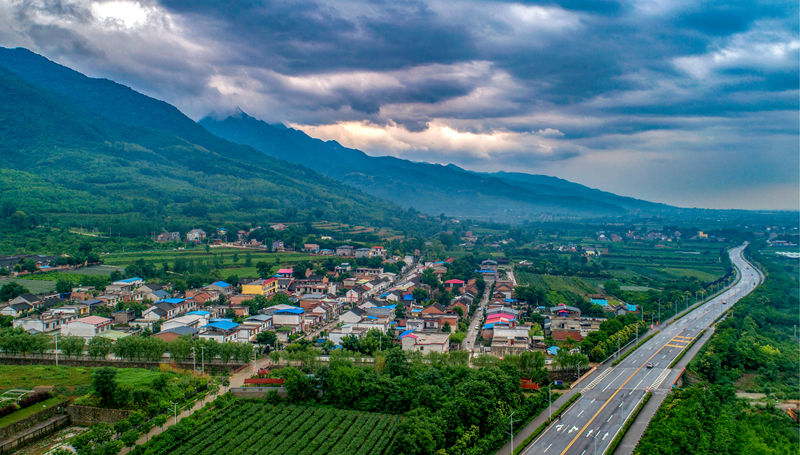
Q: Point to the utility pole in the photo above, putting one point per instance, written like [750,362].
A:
[56,349]
[549,404]
[175,407]
[194,360]
[203,358]
[659,311]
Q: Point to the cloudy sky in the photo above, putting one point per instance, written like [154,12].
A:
[693,103]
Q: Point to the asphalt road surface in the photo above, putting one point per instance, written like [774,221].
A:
[611,395]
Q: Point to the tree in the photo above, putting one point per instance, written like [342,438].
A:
[396,363]
[298,386]
[263,269]
[446,328]
[12,290]
[180,348]
[129,438]
[105,385]
[419,294]
[99,347]
[63,286]
[71,346]
[267,337]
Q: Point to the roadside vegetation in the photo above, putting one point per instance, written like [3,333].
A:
[754,349]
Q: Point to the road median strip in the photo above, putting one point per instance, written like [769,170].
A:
[632,418]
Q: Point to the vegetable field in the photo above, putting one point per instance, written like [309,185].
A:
[238,427]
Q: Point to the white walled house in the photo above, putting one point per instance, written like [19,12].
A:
[87,327]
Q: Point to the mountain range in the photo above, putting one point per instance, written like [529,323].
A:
[431,188]
[91,151]
[79,150]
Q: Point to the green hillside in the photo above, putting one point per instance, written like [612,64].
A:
[82,151]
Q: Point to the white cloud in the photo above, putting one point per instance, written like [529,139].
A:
[758,48]
[438,137]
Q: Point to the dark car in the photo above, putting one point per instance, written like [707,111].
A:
[650,365]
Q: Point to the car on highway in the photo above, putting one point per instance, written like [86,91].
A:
[650,365]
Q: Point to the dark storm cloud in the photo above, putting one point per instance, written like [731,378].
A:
[619,87]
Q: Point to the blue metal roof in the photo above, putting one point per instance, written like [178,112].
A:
[131,280]
[174,301]
[223,325]
[407,332]
[372,317]
[290,311]
[408,297]
[553,350]
[199,312]
[388,307]
[221,284]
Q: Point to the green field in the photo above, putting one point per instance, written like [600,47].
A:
[225,255]
[672,261]
[29,376]
[34,286]
[555,282]
[238,427]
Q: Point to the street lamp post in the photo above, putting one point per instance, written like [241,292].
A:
[203,358]
[56,349]
[175,408]
[549,403]
[511,435]
[194,360]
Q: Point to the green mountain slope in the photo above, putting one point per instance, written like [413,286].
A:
[77,150]
[429,187]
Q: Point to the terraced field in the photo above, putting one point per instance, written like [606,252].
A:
[239,427]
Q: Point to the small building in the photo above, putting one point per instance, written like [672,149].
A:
[87,327]
[176,332]
[425,342]
[259,286]
[196,235]
[220,330]
[344,250]
[16,309]
[221,288]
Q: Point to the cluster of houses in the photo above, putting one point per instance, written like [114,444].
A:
[368,299]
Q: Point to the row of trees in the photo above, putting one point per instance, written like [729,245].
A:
[613,334]
[17,341]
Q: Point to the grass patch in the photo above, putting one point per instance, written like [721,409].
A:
[547,423]
[30,410]
[629,351]
[618,438]
[29,376]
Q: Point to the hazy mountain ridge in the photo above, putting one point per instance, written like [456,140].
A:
[432,188]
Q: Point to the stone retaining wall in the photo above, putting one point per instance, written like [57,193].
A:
[89,415]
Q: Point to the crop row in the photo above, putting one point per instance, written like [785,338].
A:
[248,427]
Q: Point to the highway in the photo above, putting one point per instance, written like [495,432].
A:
[610,395]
